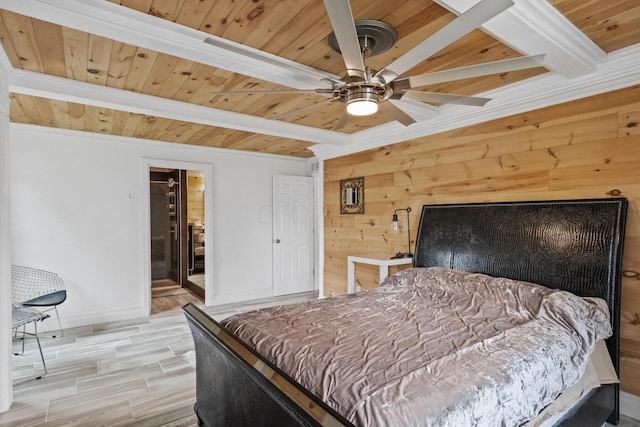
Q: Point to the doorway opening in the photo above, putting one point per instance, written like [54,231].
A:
[195,230]
[177,251]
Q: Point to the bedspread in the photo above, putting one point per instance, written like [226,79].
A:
[433,347]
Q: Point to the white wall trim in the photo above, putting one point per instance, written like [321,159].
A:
[73,321]
[6,361]
[145,212]
[320,233]
[630,405]
[318,223]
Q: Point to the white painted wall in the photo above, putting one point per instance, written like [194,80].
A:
[76,209]
[6,383]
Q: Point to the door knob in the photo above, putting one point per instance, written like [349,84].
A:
[277,240]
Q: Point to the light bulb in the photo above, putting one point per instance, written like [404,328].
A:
[362,107]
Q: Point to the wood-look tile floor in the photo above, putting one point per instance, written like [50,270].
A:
[197,279]
[131,373]
[172,297]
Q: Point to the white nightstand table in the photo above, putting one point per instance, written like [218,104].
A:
[383,261]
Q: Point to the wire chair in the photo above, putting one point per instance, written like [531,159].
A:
[31,287]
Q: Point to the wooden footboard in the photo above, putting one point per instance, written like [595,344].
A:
[237,387]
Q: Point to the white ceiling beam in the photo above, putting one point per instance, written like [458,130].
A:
[130,26]
[42,85]
[534,27]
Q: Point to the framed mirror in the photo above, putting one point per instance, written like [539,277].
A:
[352,196]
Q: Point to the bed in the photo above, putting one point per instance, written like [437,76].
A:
[571,245]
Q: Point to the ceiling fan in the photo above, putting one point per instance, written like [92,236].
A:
[364,90]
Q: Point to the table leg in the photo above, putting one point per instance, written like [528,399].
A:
[351,270]
[383,273]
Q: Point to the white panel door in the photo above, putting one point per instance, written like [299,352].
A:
[292,234]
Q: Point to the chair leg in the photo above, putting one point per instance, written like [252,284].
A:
[15,335]
[24,330]
[35,334]
[55,307]
[35,331]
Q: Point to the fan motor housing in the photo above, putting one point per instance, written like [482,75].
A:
[363,91]
[375,37]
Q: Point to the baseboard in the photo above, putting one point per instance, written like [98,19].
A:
[630,405]
[51,324]
[238,297]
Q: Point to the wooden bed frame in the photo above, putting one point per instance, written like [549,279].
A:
[574,245]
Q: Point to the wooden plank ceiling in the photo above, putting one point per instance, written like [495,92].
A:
[293,29]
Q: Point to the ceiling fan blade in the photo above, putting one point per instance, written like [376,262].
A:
[396,113]
[275,92]
[341,18]
[265,66]
[463,24]
[479,70]
[444,98]
[341,121]
[299,109]
[419,111]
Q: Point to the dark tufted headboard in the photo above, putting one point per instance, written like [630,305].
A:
[574,245]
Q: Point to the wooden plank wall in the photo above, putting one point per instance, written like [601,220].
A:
[195,196]
[588,148]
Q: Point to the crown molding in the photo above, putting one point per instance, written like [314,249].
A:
[128,140]
[46,86]
[534,27]
[620,70]
[130,26]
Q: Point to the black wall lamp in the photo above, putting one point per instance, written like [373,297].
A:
[395,228]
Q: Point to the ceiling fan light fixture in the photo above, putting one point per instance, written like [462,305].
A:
[363,102]
[362,107]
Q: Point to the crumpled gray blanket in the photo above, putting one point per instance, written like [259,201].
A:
[433,347]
